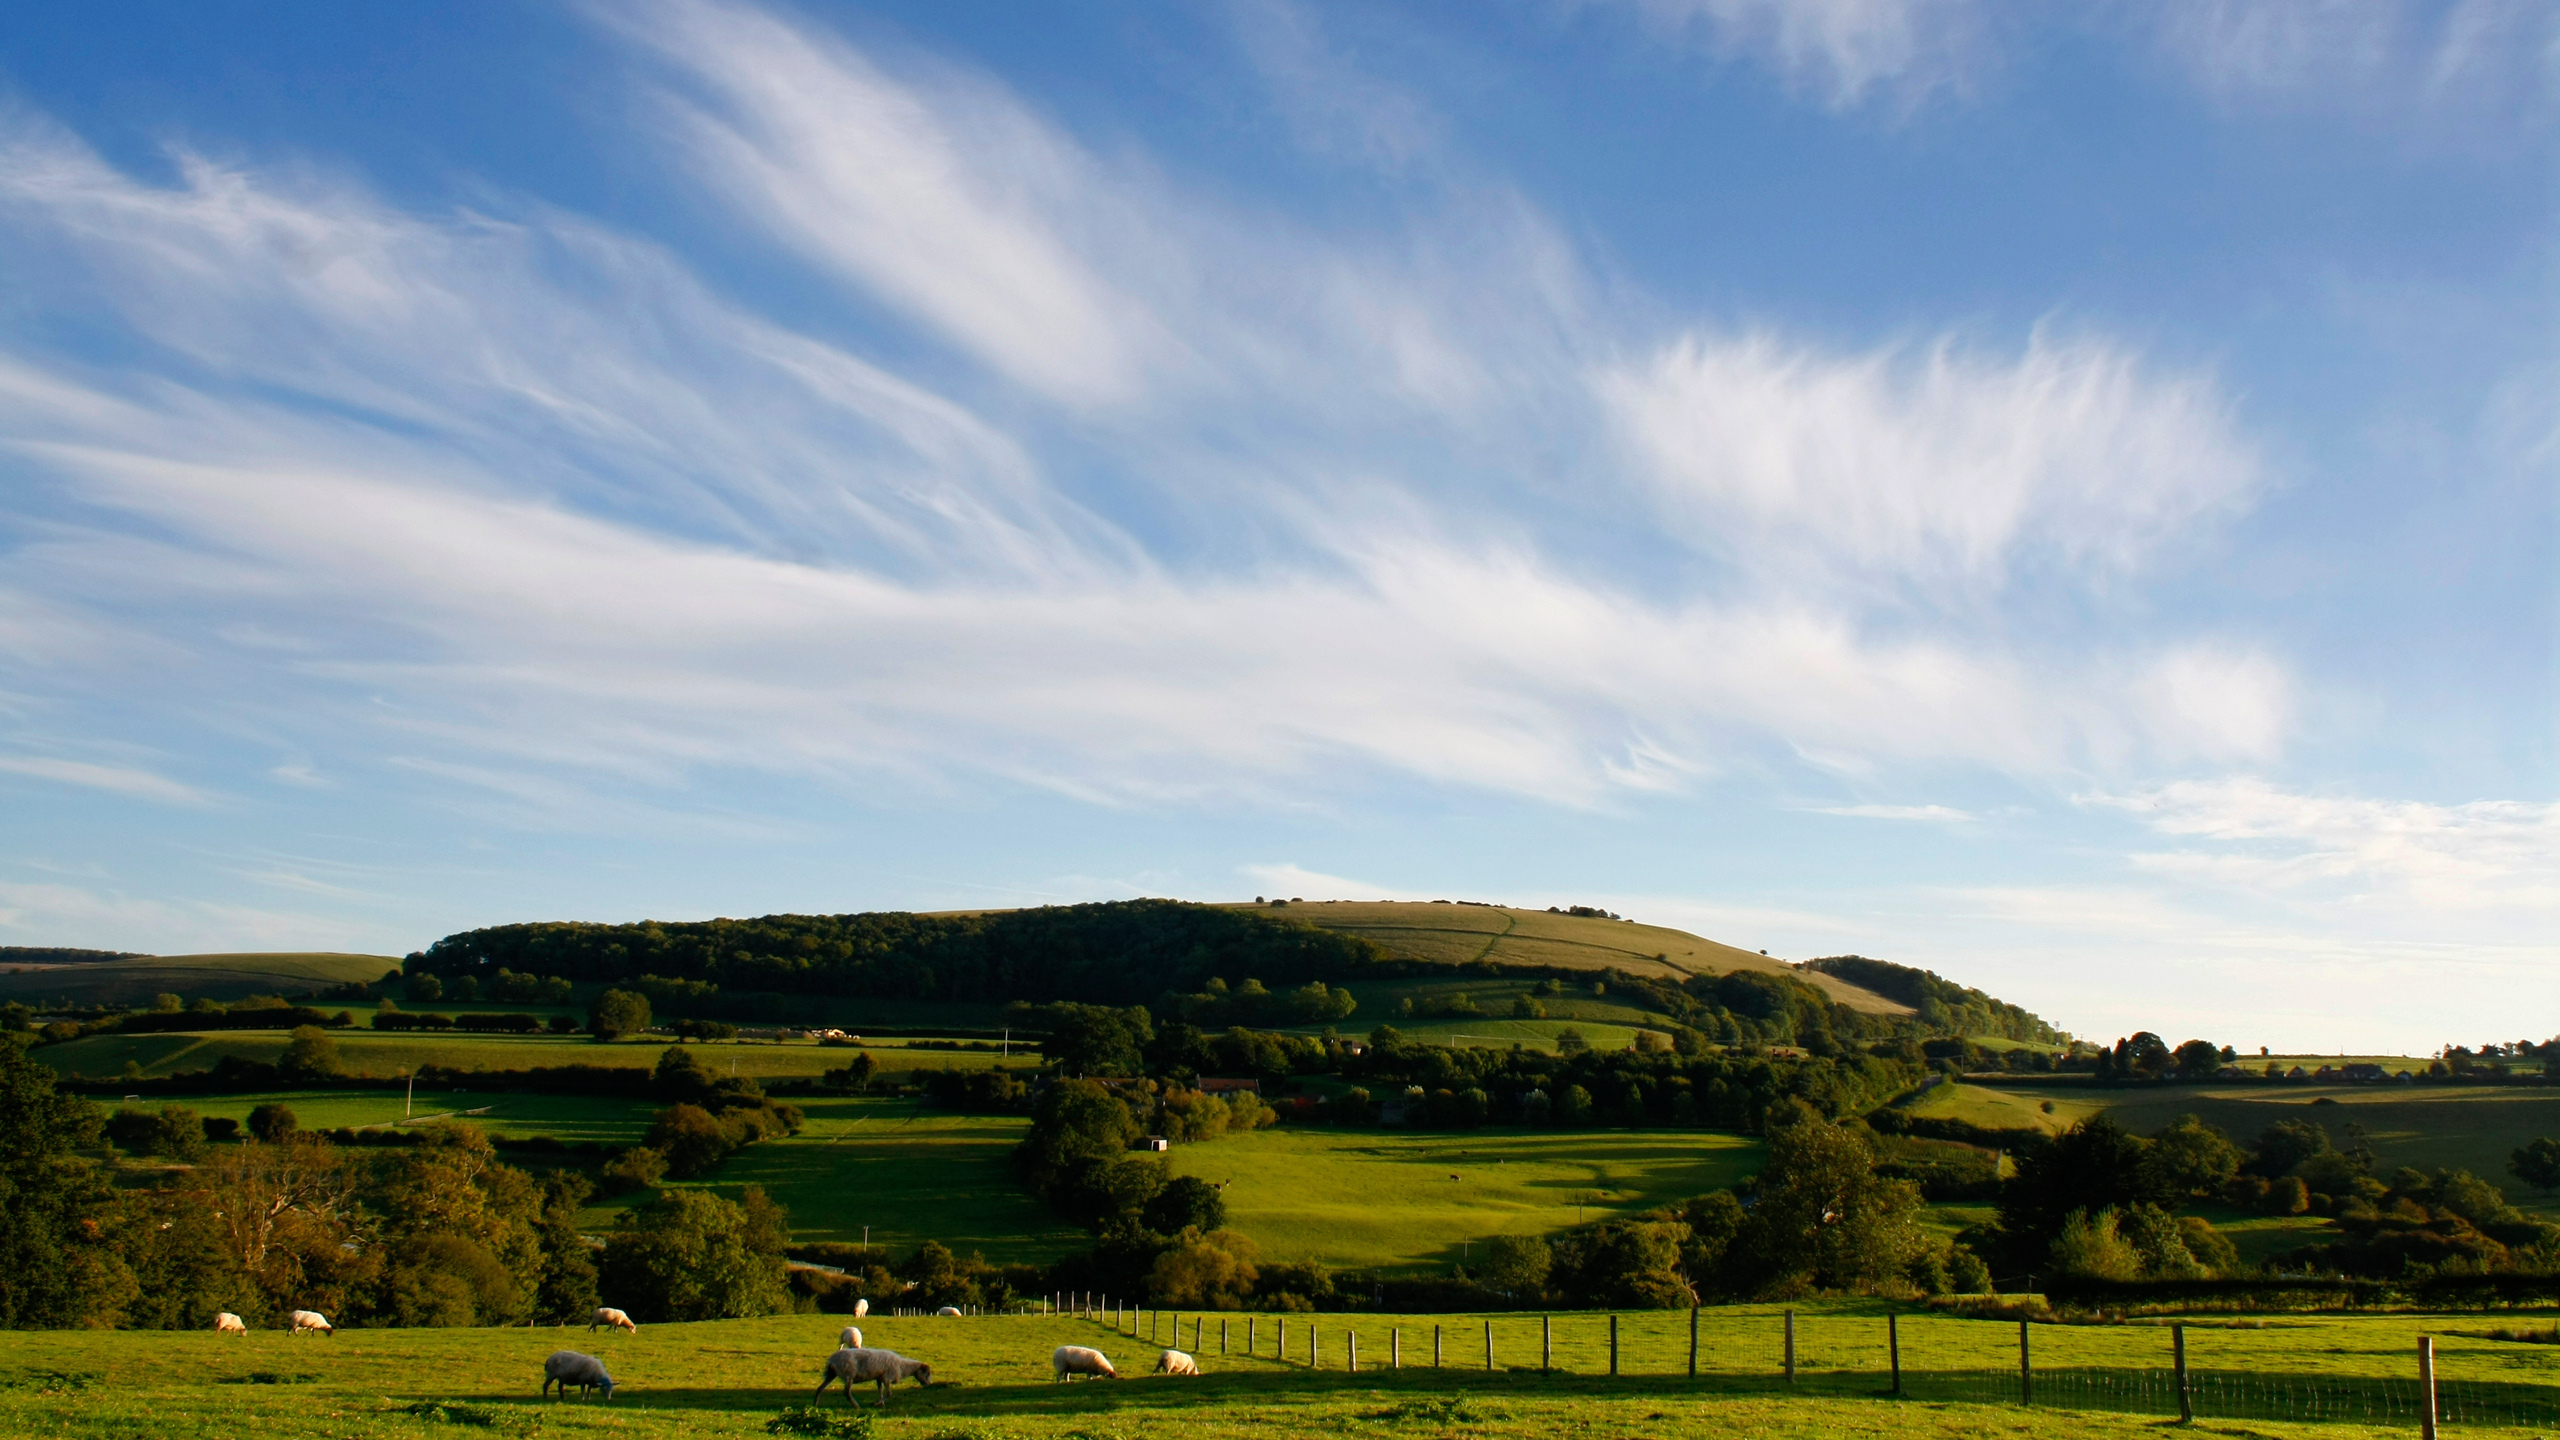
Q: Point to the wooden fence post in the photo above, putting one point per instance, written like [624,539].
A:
[1488,1345]
[2426,1387]
[1546,1344]
[1248,1333]
[1355,1350]
[1791,1347]
[2178,1357]
[1222,1335]
[1693,1342]
[1893,1348]
[1613,1347]
[1315,1347]
[1435,1347]
[1395,1348]
[1199,1331]
[2026,1369]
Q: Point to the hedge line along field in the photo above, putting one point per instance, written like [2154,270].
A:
[2432,1127]
[1395,1201]
[992,1379]
[216,977]
[389,1053]
[522,1114]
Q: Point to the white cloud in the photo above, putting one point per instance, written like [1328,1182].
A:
[1843,52]
[122,780]
[1941,466]
[1896,812]
[523,503]
[1292,881]
[2417,866]
[2401,54]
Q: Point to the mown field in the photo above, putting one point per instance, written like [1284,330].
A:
[216,977]
[1372,1199]
[1458,934]
[389,1052]
[991,1379]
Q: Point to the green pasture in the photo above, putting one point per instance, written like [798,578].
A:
[2295,1379]
[1460,934]
[396,1052]
[1384,1200]
[215,977]
[910,1173]
[1995,1109]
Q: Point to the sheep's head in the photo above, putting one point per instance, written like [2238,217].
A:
[924,1374]
[604,1382]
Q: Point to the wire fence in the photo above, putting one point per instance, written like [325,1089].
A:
[2360,1370]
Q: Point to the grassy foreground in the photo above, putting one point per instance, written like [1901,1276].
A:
[992,1379]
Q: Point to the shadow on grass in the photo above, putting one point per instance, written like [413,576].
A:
[2235,1395]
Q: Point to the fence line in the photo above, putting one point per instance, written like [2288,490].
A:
[2131,1369]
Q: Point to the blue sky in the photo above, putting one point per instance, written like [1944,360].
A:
[2059,495]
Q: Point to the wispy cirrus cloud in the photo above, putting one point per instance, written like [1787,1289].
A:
[530,494]
[124,780]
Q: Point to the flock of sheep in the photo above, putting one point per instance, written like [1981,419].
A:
[852,1364]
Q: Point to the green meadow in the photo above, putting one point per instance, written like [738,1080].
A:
[1392,1201]
[909,1173]
[2344,1378]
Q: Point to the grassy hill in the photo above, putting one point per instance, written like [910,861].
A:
[1454,934]
[214,977]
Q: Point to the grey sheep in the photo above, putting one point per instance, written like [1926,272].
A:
[883,1367]
[567,1367]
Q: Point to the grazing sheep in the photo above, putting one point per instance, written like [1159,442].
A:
[1174,1362]
[227,1323]
[609,1316]
[850,1339]
[1077,1360]
[303,1320]
[861,1307]
[882,1367]
[948,1310]
[567,1367]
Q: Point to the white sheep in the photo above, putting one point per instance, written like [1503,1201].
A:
[882,1367]
[1077,1360]
[849,1339]
[227,1323]
[948,1310]
[303,1320]
[567,1367]
[615,1319]
[861,1307]
[1174,1362]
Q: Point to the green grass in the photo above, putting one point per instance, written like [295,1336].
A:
[215,977]
[1995,1109]
[1501,1033]
[396,1052]
[1458,934]
[908,1172]
[991,1375]
[1398,1201]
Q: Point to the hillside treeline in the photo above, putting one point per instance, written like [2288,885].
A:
[435,1231]
[1944,1007]
[1116,953]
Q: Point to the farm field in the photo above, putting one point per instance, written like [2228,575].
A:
[1384,1200]
[372,1052]
[909,1173]
[1997,1109]
[992,1379]
[1459,934]
[217,977]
